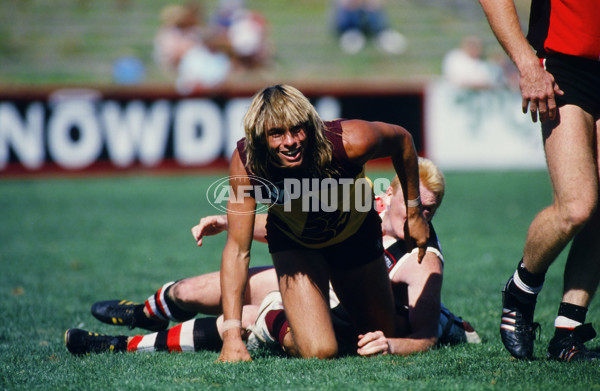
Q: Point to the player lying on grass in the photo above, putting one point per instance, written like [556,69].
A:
[417,291]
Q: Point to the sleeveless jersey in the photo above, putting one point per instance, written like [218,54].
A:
[302,218]
[397,252]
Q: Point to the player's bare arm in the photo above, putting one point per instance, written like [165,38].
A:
[424,283]
[364,141]
[209,226]
[214,225]
[537,86]
[424,287]
[235,262]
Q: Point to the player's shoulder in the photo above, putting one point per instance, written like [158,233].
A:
[350,126]
[358,138]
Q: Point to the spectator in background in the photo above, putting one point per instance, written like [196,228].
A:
[128,70]
[465,66]
[246,32]
[506,71]
[184,46]
[356,21]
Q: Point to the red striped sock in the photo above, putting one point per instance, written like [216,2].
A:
[277,324]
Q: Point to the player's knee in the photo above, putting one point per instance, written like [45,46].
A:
[182,292]
[321,351]
[576,214]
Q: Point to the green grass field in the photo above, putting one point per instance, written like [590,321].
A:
[65,243]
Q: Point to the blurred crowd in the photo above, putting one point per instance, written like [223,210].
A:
[467,67]
[357,22]
[203,51]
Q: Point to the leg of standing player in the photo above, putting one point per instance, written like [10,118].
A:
[582,274]
[571,148]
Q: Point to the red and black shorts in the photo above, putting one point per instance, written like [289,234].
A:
[579,78]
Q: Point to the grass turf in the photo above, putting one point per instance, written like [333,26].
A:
[65,243]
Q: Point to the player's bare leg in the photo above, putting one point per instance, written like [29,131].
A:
[582,271]
[304,285]
[571,152]
[182,300]
[202,293]
[581,277]
[366,294]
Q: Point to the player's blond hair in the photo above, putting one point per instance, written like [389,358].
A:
[430,176]
[284,106]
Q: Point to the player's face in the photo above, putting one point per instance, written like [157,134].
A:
[428,201]
[287,145]
[396,215]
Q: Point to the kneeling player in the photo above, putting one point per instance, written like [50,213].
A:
[417,289]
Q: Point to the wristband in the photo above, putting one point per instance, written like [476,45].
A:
[414,203]
[231,324]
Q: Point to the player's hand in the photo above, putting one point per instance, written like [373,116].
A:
[234,349]
[538,90]
[418,232]
[208,226]
[373,343]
